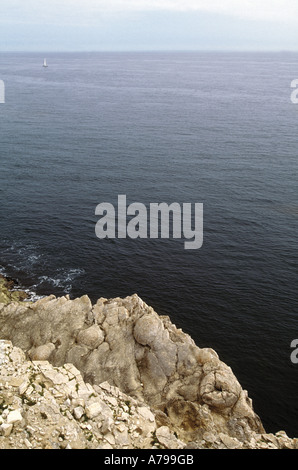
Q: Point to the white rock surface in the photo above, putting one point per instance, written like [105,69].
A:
[116,375]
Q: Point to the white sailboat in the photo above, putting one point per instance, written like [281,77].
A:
[44,62]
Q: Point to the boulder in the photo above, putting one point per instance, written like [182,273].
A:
[126,343]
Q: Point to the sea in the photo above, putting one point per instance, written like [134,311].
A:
[212,128]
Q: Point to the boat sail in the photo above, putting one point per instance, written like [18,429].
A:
[44,62]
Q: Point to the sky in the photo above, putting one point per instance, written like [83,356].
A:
[108,25]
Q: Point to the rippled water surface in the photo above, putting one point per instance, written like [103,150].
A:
[217,129]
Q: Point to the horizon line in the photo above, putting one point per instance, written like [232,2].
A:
[53,51]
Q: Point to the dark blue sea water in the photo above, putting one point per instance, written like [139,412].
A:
[212,128]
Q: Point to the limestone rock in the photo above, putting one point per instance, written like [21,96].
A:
[14,417]
[118,374]
[41,353]
[10,292]
[6,429]
[53,413]
[167,439]
[220,388]
[91,337]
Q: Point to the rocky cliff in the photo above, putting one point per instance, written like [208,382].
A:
[115,374]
